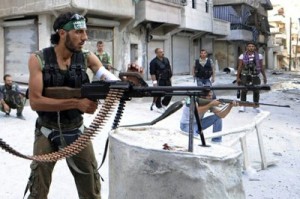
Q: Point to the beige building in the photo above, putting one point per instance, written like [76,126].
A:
[284,21]
[131,30]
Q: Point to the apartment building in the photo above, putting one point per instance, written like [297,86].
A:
[248,22]
[284,22]
[131,30]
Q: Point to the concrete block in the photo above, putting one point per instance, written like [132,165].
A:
[139,167]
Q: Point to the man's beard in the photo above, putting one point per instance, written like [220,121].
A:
[70,46]
[8,86]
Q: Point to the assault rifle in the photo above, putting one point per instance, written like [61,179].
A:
[133,86]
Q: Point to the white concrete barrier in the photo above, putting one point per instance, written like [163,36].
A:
[140,168]
[244,131]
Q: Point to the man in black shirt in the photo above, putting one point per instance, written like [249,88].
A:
[161,73]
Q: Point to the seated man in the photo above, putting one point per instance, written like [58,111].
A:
[11,97]
[205,104]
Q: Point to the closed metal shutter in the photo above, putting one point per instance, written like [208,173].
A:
[152,45]
[96,34]
[20,40]
[181,55]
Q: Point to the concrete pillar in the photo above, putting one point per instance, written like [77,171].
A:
[1,51]
[139,167]
[45,30]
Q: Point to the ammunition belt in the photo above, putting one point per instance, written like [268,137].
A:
[111,101]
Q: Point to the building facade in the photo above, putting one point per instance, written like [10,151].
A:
[284,22]
[131,30]
[248,22]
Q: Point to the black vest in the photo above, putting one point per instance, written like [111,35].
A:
[163,69]
[74,77]
[203,72]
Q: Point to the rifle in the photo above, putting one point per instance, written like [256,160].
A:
[132,85]
[251,104]
[241,103]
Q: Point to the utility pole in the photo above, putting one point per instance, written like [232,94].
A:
[290,46]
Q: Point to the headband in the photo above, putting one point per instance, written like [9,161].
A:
[75,25]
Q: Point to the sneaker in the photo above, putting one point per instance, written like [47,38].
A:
[242,109]
[164,107]
[216,140]
[151,107]
[158,110]
[20,116]
[257,110]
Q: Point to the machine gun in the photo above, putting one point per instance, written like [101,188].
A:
[132,85]
[135,87]
[115,94]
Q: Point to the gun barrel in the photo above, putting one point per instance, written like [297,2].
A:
[199,88]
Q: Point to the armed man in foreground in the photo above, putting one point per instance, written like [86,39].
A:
[64,64]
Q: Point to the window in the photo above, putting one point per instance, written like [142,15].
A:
[194,4]
[206,6]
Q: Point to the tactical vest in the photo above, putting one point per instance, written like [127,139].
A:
[163,70]
[251,67]
[203,72]
[53,76]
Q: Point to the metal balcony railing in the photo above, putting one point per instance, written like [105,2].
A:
[179,2]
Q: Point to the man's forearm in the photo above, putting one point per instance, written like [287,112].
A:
[153,78]
[2,102]
[264,74]
[225,111]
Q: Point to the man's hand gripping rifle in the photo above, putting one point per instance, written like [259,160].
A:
[133,86]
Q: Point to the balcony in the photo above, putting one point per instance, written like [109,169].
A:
[275,30]
[296,43]
[252,3]
[197,19]
[278,48]
[221,27]
[280,36]
[161,16]
[244,35]
[117,9]
[279,19]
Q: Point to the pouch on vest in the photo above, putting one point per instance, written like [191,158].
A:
[51,72]
[77,74]
[203,72]
[164,71]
